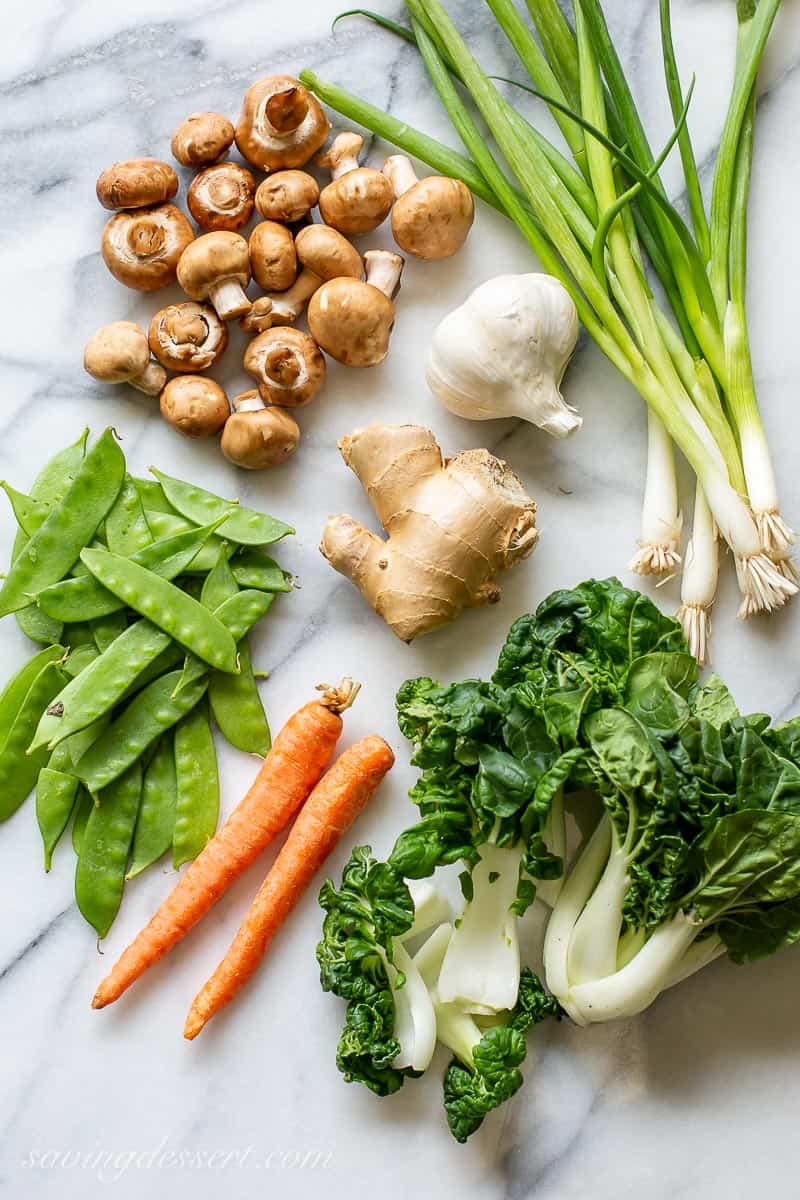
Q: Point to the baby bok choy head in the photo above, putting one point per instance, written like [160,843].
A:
[390,1026]
[489,796]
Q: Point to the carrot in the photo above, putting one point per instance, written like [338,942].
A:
[333,805]
[296,762]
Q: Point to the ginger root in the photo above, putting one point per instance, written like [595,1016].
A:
[453,524]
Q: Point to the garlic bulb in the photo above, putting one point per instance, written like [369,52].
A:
[503,353]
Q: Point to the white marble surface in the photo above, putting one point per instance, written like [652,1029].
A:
[697,1098]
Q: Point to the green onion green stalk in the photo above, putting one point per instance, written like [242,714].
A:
[594,223]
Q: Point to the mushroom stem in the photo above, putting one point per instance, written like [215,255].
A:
[287,306]
[399,171]
[286,110]
[248,402]
[384,269]
[152,379]
[229,299]
[341,157]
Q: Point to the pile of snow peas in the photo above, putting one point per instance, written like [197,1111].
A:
[142,593]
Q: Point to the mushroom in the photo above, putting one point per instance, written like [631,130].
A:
[273,260]
[324,254]
[351,320]
[281,125]
[288,365]
[202,138]
[259,317]
[187,336]
[119,353]
[216,267]
[141,248]
[136,183]
[256,436]
[195,405]
[359,198]
[287,196]
[431,217]
[222,196]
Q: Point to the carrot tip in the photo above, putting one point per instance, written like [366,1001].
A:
[193,1026]
[339,699]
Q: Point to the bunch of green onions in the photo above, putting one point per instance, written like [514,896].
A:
[595,220]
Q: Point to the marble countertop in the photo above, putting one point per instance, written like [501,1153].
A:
[696,1098]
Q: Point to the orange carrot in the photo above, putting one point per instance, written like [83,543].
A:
[333,805]
[301,752]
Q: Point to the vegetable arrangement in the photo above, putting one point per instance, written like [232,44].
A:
[293,779]
[594,222]
[143,593]
[696,854]
[149,243]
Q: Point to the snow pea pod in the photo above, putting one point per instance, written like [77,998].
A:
[239,614]
[49,486]
[244,525]
[107,629]
[71,525]
[252,569]
[13,694]
[127,530]
[83,807]
[28,514]
[101,685]
[152,496]
[151,712]
[184,619]
[197,802]
[18,770]
[56,793]
[156,823]
[105,847]
[237,707]
[86,599]
[79,660]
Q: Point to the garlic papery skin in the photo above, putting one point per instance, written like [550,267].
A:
[503,353]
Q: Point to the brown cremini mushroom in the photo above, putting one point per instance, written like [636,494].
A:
[136,183]
[259,317]
[324,254]
[187,336]
[119,353]
[431,217]
[281,124]
[202,139]
[288,366]
[273,260]
[216,267]
[194,405]
[359,198]
[287,196]
[141,248]
[352,321]
[222,196]
[257,436]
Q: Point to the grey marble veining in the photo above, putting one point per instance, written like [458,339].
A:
[698,1097]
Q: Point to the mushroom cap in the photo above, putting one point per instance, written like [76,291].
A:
[222,196]
[117,352]
[281,124]
[211,258]
[261,438]
[287,196]
[327,253]
[432,219]
[141,248]
[136,183]
[287,364]
[202,138]
[273,260]
[195,405]
[358,202]
[352,321]
[187,336]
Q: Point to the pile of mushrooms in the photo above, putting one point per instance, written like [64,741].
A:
[298,266]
